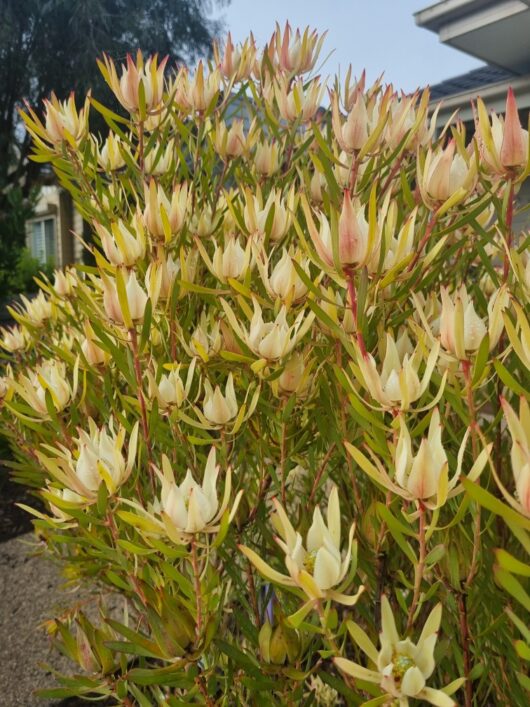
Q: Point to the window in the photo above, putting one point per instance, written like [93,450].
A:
[43,240]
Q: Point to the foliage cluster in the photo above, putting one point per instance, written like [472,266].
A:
[285,414]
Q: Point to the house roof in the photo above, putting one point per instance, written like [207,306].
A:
[473,80]
[495,31]
[437,15]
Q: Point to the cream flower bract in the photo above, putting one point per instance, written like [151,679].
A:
[401,667]
[189,508]
[318,566]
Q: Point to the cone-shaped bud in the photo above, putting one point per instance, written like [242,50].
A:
[295,54]
[267,158]
[124,244]
[503,143]
[136,79]
[110,155]
[48,378]
[236,62]
[63,121]
[218,408]
[461,329]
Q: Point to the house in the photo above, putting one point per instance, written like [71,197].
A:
[495,31]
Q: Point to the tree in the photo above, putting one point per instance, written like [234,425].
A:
[52,45]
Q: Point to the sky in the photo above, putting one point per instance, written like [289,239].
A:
[376,35]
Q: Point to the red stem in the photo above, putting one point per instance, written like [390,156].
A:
[353,304]
[464,634]
[509,233]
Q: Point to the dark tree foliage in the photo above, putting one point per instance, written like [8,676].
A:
[52,45]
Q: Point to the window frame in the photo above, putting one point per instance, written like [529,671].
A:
[49,258]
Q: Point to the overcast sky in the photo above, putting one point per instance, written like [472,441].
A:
[379,35]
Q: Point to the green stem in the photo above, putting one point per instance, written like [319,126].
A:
[283,447]
[133,336]
[509,233]
[141,153]
[324,623]
[197,586]
[420,567]
[466,369]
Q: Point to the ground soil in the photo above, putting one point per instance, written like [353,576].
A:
[30,592]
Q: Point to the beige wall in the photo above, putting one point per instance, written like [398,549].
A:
[56,203]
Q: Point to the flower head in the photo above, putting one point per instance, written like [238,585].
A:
[63,121]
[170,390]
[503,143]
[422,475]
[48,378]
[445,175]
[110,154]
[164,217]
[298,101]
[317,566]
[295,54]
[196,93]
[219,409]
[134,301]
[401,667]
[270,340]
[35,311]
[189,508]
[399,384]
[236,62]
[124,244]
[13,339]
[461,329]
[99,457]
[136,78]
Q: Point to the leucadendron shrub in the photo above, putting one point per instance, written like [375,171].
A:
[285,414]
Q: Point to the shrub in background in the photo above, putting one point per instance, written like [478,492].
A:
[285,414]
[17,267]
